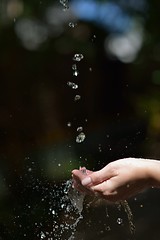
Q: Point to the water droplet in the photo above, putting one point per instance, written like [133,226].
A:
[42,235]
[79,129]
[65,4]
[78,57]
[80,138]
[77,98]
[119,221]
[74,67]
[75,73]
[84,170]
[53,212]
[69,124]
[100,148]
[62,206]
[93,38]
[108,228]
[72,85]
[90,69]
[72,25]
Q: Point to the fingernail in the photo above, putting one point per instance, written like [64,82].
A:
[86,181]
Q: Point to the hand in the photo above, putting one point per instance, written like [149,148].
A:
[118,180]
[78,176]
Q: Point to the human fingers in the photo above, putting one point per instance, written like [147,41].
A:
[76,185]
[109,191]
[116,190]
[82,189]
[77,176]
[104,188]
[98,177]
[85,171]
[81,174]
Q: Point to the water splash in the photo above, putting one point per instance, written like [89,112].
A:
[67,213]
[77,200]
[70,205]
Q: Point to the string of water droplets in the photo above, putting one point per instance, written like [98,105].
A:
[129,215]
[76,58]
[64,4]
[75,197]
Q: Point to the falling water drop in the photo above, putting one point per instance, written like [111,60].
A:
[69,124]
[42,235]
[77,98]
[72,85]
[79,129]
[72,25]
[108,228]
[93,38]
[78,57]
[80,138]
[53,212]
[75,73]
[119,221]
[74,67]
[65,4]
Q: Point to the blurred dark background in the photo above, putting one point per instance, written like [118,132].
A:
[118,83]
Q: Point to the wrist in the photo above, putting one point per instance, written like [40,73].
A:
[154,173]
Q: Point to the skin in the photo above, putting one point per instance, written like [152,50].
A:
[120,179]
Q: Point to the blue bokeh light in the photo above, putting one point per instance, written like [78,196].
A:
[108,15]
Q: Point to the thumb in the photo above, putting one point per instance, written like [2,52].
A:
[97,177]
